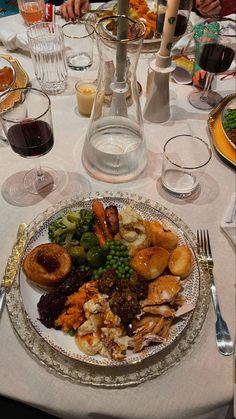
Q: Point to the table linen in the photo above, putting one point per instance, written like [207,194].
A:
[201,385]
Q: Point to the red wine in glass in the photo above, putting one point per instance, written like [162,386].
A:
[216,54]
[29,130]
[216,58]
[31,138]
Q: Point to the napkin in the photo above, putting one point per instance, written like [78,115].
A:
[230,227]
[12,40]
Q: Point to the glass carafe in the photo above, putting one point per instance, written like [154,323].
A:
[114,149]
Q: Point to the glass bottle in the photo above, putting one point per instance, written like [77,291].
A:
[114,149]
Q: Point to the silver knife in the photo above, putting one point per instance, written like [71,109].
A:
[13,263]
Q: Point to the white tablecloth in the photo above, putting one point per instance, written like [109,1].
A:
[201,385]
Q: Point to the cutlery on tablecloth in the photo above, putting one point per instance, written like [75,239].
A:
[13,264]
[223,339]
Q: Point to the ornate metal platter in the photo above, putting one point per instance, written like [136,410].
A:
[136,368]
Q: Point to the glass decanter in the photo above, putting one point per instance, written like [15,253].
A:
[114,149]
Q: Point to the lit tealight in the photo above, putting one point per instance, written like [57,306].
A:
[85,94]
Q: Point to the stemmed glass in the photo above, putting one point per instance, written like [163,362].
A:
[216,54]
[27,124]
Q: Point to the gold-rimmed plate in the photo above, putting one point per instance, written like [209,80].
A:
[229,112]
[219,137]
[21,80]
[111,374]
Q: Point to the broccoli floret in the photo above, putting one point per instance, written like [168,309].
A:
[68,229]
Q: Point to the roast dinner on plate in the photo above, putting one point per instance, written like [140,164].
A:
[111,279]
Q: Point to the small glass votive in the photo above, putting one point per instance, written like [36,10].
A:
[85,95]
[184,161]
[79,44]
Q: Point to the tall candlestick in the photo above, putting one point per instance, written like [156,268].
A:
[169,27]
[122,33]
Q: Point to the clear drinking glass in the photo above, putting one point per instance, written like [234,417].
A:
[114,149]
[184,161]
[32,11]
[79,44]
[47,49]
[29,131]
[216,54]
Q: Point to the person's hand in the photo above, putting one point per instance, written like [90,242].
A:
[72,9]
[208,8]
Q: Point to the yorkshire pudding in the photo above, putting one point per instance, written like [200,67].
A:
[47,265]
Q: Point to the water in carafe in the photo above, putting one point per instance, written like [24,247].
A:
[114,148]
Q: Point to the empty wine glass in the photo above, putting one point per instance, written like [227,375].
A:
[216,54]
[27,124]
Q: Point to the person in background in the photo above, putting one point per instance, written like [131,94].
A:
[209,8]
[71,9]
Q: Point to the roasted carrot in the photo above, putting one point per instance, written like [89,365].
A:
[99,212]
[99,233]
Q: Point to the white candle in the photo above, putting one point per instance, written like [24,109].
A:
[85,94]
[169,27]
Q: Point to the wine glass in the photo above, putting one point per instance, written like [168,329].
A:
[216,54]
[27,124]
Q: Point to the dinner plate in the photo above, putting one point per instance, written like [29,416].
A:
[51,351]
[152,44]
[219,138]
[230,106]
[21,80]
[64,343]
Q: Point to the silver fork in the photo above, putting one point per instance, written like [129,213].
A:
[223,339]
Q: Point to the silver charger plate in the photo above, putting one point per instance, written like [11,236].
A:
[99,371]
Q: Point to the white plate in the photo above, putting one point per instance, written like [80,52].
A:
[65,344]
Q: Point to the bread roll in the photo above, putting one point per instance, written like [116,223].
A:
[47,265]
[181,261]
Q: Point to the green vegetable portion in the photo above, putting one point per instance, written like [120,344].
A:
[89,240]
[78,255]
[68,229]
[117,258]
[229,120]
